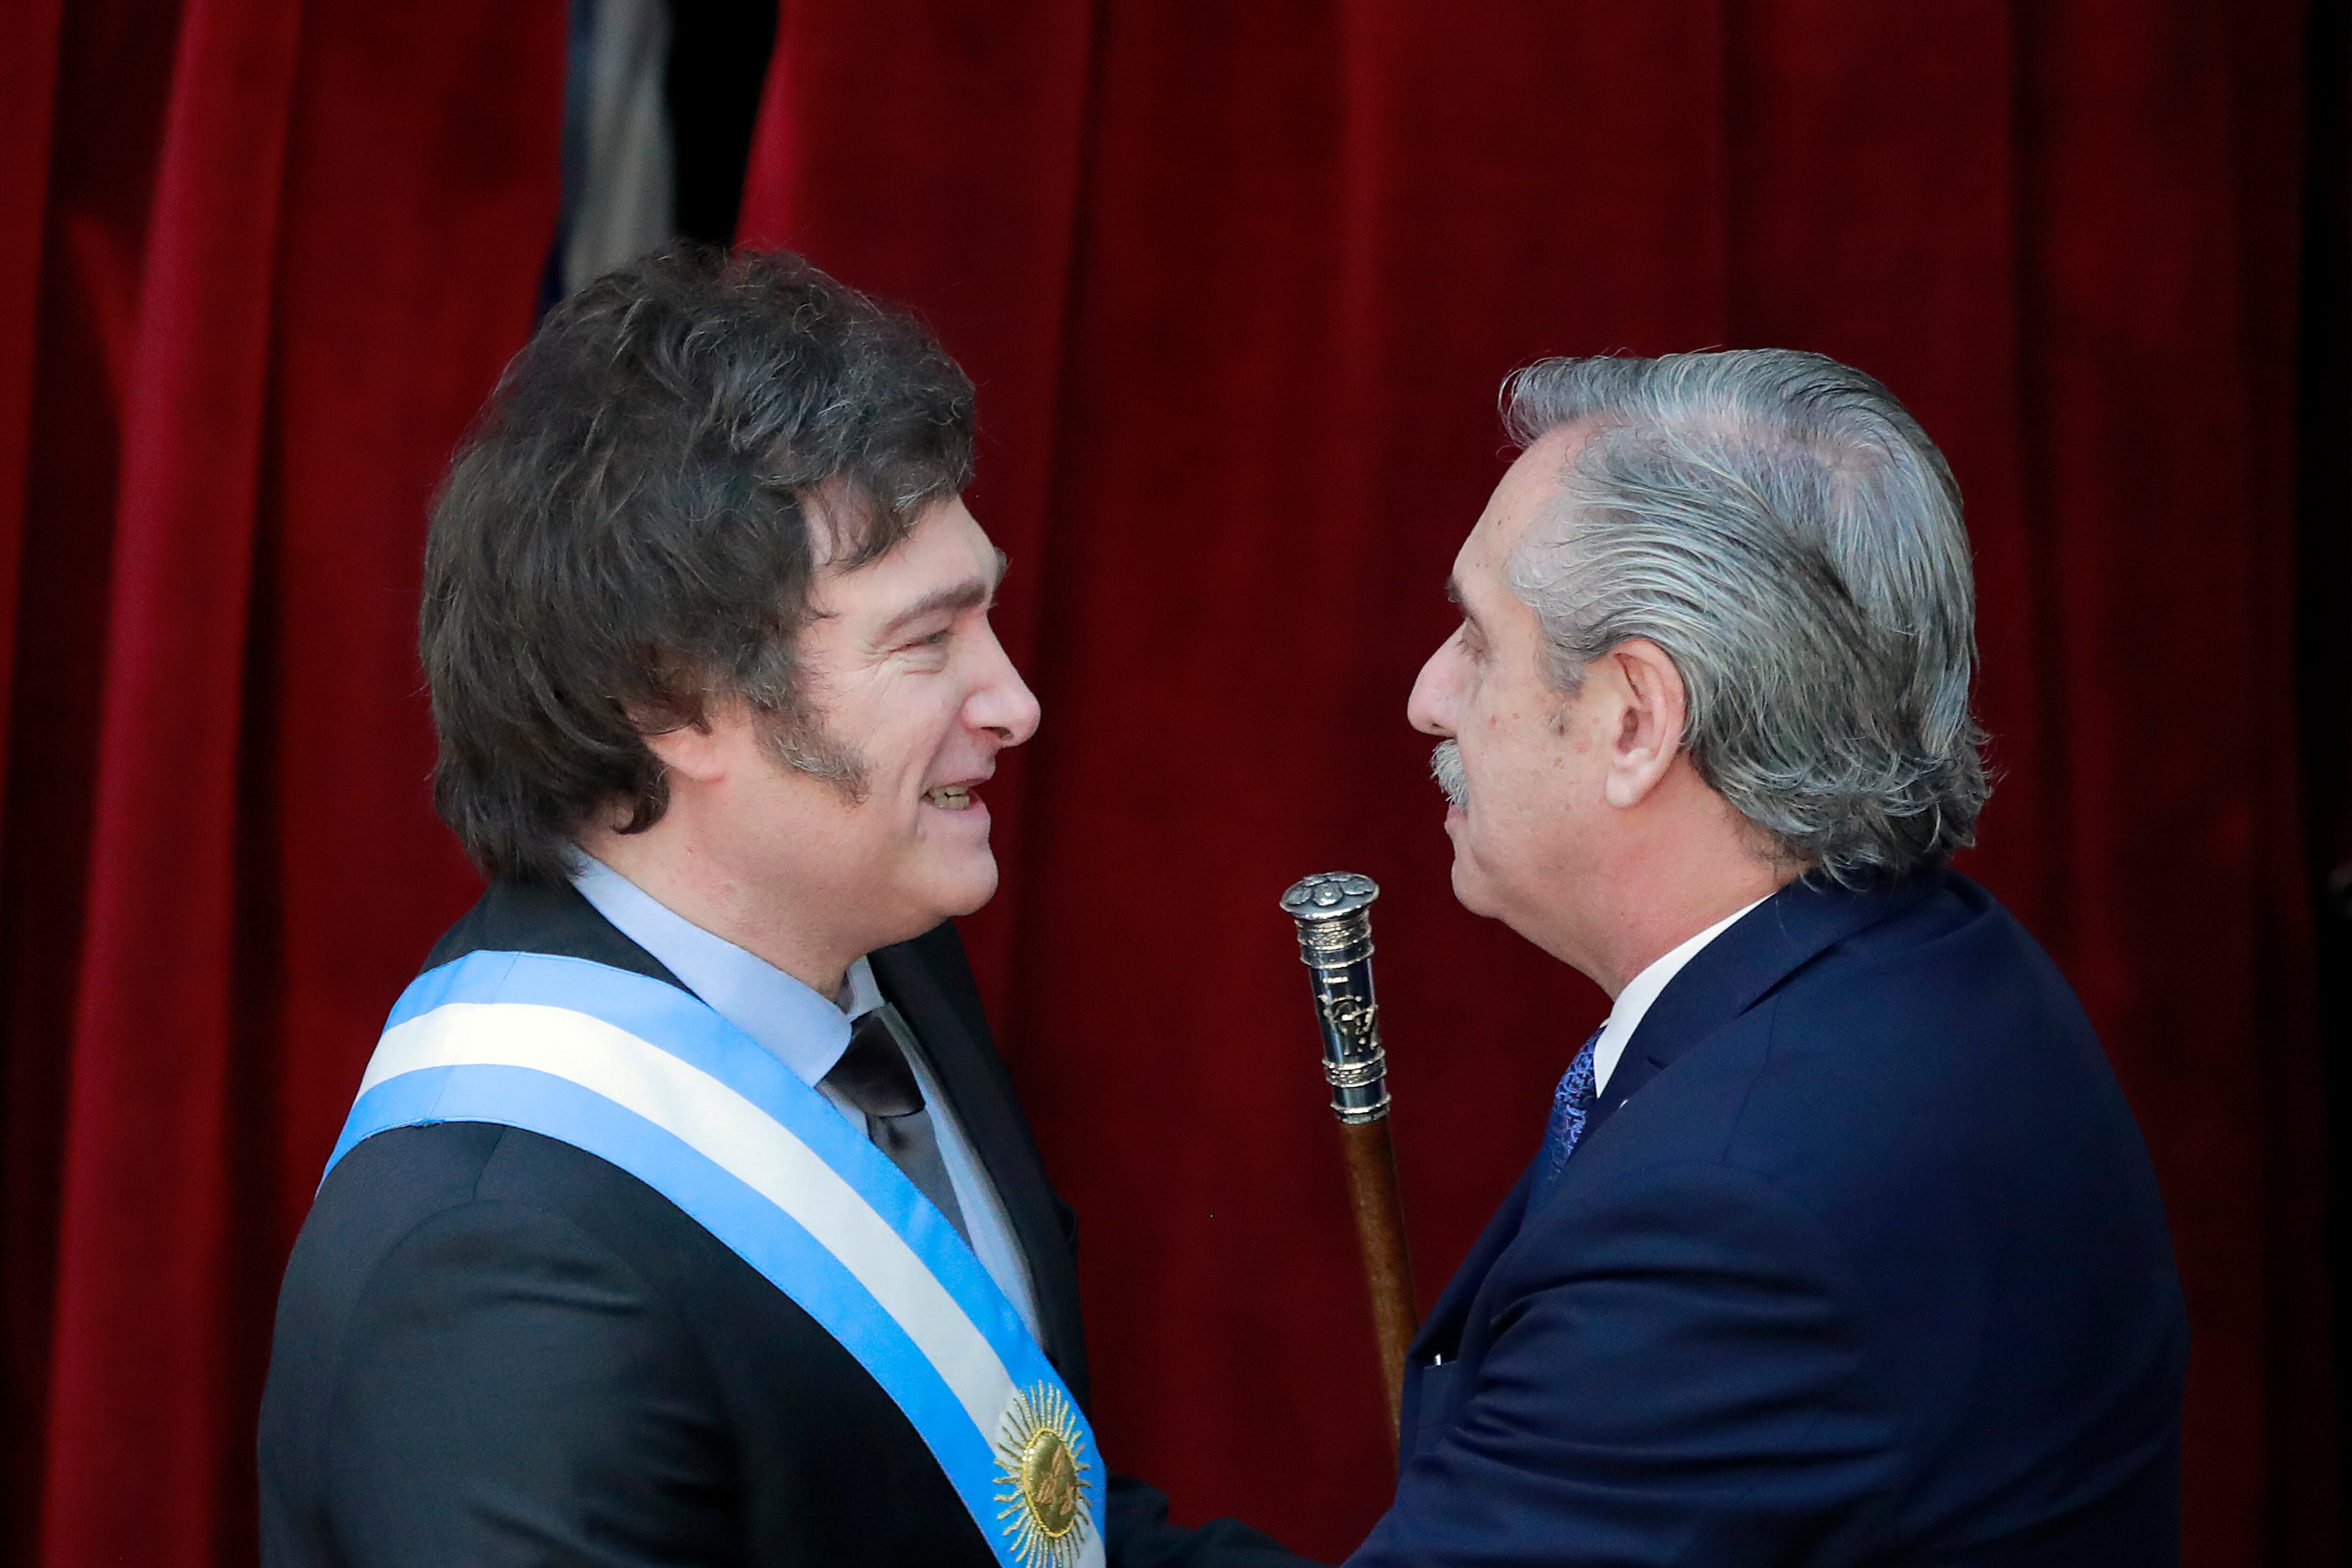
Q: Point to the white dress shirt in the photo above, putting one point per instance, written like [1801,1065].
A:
[1641,991]
[808,1034]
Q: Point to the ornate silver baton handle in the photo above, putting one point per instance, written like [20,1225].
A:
[1334,912]
[1333,909]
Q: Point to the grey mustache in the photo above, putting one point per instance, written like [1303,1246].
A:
[1446,767]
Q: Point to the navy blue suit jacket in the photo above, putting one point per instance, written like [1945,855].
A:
[1861,1261]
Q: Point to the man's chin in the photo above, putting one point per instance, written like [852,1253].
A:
[966,888]
[1470,888]
[919,904]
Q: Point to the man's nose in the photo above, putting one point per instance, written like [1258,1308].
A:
[1003,703]
[1430,709]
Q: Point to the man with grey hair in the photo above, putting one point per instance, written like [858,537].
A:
[1841,1246]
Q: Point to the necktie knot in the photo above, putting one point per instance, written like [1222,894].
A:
[873,1073]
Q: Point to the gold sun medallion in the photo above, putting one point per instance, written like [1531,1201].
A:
[1041,1460]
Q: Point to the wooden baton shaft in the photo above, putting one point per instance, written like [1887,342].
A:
[1388,1267]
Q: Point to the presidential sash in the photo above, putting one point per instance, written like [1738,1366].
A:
[646,1077]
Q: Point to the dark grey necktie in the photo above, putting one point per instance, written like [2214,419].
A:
[874,1075]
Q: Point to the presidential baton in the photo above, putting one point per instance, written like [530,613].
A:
[1333,909]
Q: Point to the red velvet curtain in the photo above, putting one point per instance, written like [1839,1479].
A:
[262,262]
[1238,281]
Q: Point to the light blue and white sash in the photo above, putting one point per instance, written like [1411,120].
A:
[645,1076]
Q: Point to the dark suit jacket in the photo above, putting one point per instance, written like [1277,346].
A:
[1861,1261]
[493,1348]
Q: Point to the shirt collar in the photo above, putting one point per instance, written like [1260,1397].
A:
[862,991]
[792,1022]
[1635,1001]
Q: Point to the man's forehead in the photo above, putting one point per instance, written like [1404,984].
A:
[945,561]
[841,520]
[983,565]
[1539,471]
[1474,581]
[1526,491]
[1480,559]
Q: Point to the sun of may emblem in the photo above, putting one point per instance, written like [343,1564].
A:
[1041,1458]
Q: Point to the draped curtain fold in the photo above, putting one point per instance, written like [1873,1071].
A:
[1237,282]
[263,262]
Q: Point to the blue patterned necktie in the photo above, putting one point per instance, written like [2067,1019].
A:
[1570,1103]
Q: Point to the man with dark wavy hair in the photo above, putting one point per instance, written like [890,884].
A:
[686,1214]
[1842,1247]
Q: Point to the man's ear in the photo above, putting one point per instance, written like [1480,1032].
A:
[695,751]
[1648,732]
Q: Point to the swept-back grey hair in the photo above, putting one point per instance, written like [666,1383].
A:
[1788,535]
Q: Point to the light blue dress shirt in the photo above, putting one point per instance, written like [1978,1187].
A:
[808,1034]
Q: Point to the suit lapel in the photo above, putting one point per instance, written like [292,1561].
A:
[1743,966]
[974,1081]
